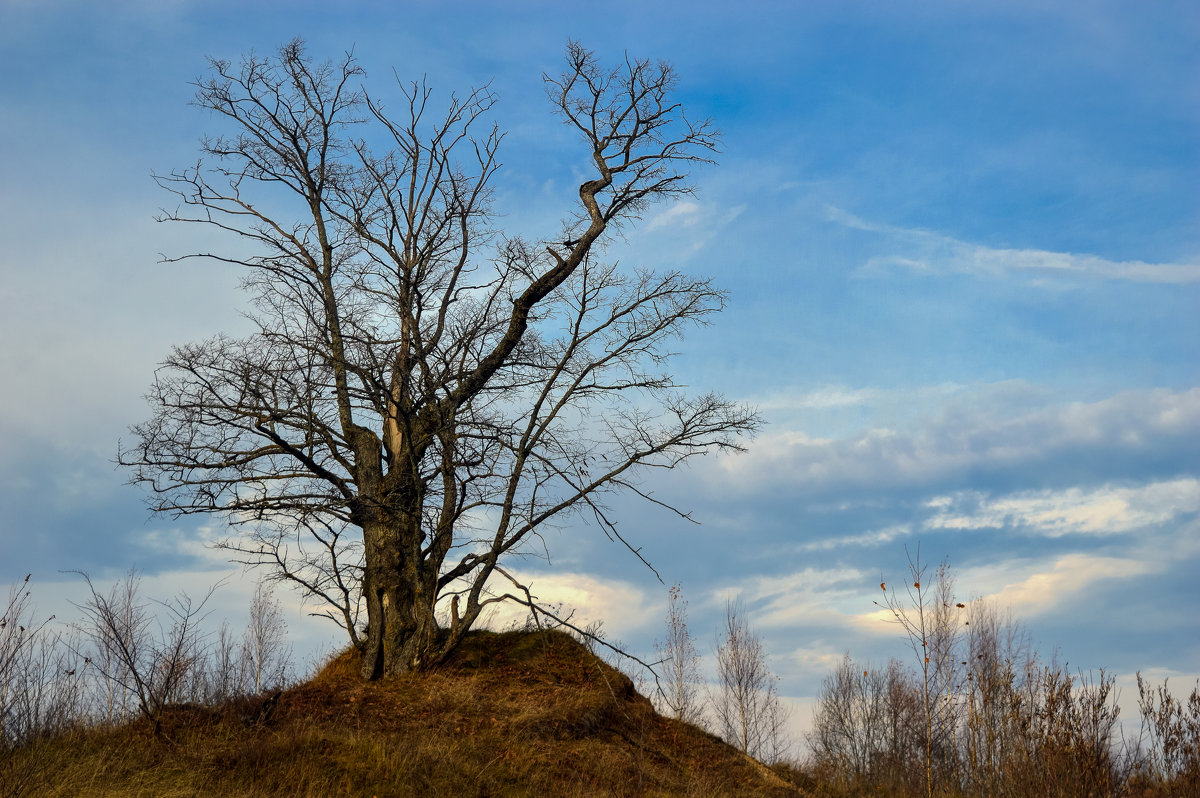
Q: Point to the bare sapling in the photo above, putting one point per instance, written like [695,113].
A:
[746,706]
[680,688]
[849,726]
[267,654]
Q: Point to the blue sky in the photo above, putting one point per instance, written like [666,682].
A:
[962,242]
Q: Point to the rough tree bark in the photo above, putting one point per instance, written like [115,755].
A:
[422,392]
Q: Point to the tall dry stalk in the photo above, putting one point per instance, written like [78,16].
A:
[916,617]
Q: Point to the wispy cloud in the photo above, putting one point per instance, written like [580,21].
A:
[922,250]
[684,228]
[876,537]
[686,213]
[835,401]
[820,398]
[809,597]
[1104,511]
[973,436]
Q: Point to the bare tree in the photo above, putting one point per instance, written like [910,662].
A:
[868,728]
[746,705]
[680,687]
[423,393]
[850,728]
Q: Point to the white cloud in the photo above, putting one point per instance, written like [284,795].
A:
[808,597]
[682,214]
[1102,511]
[843,396]
[873,538]
[974,432]
[928,251]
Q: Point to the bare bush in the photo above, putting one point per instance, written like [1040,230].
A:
[999,655]
[41,689]
[980,715]
[17,634]
[1167,751]
[47,694]
[151,660]
[227,672]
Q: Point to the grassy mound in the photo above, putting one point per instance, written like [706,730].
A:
[510,714]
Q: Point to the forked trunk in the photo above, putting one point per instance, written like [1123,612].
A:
[402,632]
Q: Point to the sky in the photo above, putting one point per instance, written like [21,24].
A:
[961,241]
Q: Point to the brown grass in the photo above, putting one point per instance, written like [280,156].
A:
[510,714]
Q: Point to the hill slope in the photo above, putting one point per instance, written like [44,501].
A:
[511,714]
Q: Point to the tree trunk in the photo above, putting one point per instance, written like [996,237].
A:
[402,632]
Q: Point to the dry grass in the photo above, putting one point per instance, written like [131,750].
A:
[511,714]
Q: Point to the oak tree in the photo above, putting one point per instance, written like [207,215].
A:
[421,392]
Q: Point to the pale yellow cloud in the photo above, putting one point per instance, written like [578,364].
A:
[622,607]
[1040,590]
